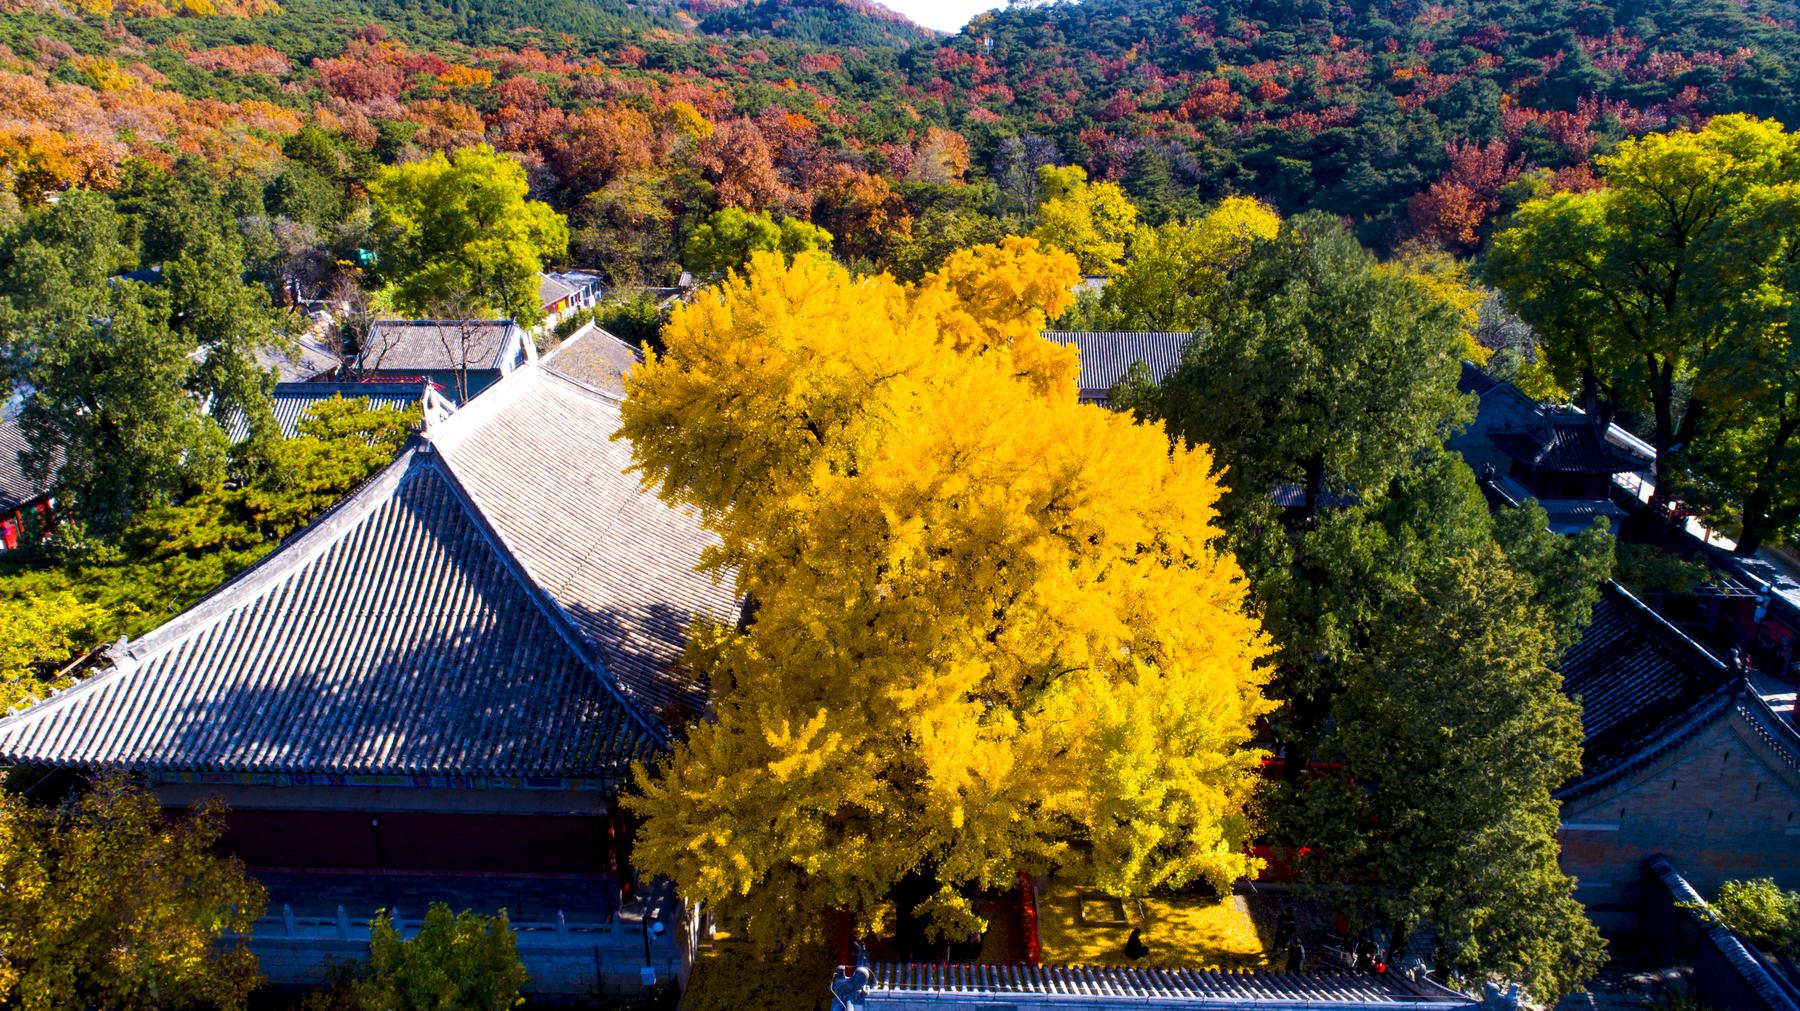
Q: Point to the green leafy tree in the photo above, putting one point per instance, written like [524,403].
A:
[1652,292]
[1322,371]
[1746,466]
[107,902]
[230,323]
[627,229]
[729,236]
[1454,725]
[456,961]
[1178,271]
[1417,637]
[110,420]
[1762,911]
[1331,379]
[460,231]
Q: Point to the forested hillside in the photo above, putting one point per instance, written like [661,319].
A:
[1411,118]
[1408,115]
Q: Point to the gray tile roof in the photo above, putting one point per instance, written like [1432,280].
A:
[1505,414]
[394,637]
[595,358]
[1570,445]
[309,358]
[552,289]
[1632,671]
[504,600]
[434,345]
[913,984]
[537,454]
[1107,355]
[291,401]
[1750,970]
[15,488]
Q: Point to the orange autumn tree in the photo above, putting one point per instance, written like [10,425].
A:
[993,629]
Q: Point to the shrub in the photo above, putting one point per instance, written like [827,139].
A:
[1761,912]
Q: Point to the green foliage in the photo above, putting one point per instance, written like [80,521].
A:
[460,239]
[1135,393]
[1417,639]
[725,242]
[1322,371]
[1763,912]
[69,594]
[110,419]
[1568,570]
[1177,272]
[1455,725]
[1670,293]
[1416,634]
[120,370]
[636,318]
[1645,568]
[848,23]
[455,961]
[107,902]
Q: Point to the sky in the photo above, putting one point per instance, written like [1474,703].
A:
[944,15]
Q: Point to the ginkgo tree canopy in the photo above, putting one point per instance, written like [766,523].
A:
[992,631]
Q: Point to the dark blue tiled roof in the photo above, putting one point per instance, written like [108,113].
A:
[394,638]
[505,600]
[291,401]
[1566,445]
[1634,675]
[908,985]
[1107,355]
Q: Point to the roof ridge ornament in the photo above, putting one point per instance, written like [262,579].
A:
[436,407]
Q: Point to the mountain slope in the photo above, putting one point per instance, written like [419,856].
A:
[822,22]
[1356,108]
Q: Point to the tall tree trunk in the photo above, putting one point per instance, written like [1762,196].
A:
[1315,490]
[1755,522]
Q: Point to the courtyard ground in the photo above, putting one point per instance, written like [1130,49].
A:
[1079,926]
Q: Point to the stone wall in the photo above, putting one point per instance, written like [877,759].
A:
[1723,804]
[562,960]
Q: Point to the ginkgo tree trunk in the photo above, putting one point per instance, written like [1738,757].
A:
[993,629]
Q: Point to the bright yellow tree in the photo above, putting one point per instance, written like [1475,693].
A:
[107,902]
[1446,279]
[1177,270]
[993,630]
[1091,220]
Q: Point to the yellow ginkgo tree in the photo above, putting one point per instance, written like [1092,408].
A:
[993,630]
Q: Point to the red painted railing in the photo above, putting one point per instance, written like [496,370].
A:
[1028,916]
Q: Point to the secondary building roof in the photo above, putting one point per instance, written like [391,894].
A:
[15,488]
[914,985]
[1632,671]
[309,359]
[553,289]
[1107,355]
[1645,688]
[594,357]
[291,401]
[1568,444]
[1506,411]
[502,601]
[428,345]
[537,453]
